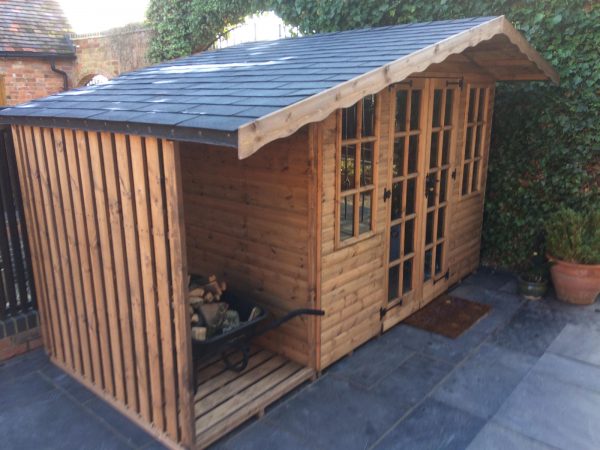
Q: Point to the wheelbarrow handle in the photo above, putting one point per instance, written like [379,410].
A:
[289,316]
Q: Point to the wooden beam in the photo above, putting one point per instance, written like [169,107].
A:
[288,120]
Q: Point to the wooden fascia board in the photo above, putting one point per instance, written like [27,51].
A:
[286,121]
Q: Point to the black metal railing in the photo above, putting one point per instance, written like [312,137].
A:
[16,283]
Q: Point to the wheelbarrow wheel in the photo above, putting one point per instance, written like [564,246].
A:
[240,365]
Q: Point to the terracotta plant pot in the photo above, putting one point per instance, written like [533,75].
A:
[576,283]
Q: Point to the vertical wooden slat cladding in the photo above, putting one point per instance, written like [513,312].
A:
[247,221]
[179,270]
[52,237]
[97,274]
[84,254]
[133,267]
[120,267]
[36,257]
[74,257]
[105,223]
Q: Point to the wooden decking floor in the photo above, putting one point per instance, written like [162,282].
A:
[225,399]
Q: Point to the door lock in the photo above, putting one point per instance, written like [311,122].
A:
[430,182]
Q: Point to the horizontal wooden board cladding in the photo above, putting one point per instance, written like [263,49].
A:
[248,222]
[466,220]
[352,277]
[104,218]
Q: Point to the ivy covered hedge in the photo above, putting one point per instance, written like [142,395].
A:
[546,139]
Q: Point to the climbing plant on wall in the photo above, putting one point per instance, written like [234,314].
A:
[546,139]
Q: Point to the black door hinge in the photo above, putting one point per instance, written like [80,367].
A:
[454,174]
[386,194]
[382,312]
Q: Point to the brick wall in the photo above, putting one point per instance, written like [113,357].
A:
[110,53]
[19,334]
[29,78]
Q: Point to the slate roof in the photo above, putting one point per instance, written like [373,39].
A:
[34,26]
[208,96]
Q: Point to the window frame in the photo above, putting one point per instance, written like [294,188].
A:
[357,189]
[467,162]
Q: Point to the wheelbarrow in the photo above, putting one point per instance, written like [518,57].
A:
[237,340]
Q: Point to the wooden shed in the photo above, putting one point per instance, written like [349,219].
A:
[344,172]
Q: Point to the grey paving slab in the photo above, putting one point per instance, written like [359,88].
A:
[53,421]
[130,432]
[413,380]
[553,412]
[332,413]
[371,362]
[482,383]
[22,390]
[489,278]
[262,435]
[71,386]
[433,426]
[435,345]
[496,437]
[569,370]
[532,330]
[578,342]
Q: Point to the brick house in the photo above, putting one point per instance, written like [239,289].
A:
[36,56]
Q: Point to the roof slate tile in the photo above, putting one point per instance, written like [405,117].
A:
[224,89]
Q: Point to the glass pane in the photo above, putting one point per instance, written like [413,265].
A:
[368,116]
[347,217]
[429,228]
[475,180]
[410,195]
[481,104]
[349,122]
[401,105]
[465,180]
[472,95]
[478,140]
[441,222]
[396,200]
[443,185]
[348,162]
[438,258]
[407,276]
[409,237]
[427,265]
[398,167]
[415,110]
[395,242]
[437,107]
[468,143]
[365,212]
[446,148]
[449,104]
[393,283]
[413,153]
[366,163]
[433,153]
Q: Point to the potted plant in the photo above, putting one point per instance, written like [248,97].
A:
[573,245]
[533,279]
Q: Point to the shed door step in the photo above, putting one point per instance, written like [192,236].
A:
[226,399]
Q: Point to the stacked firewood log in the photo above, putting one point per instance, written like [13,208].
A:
[209,314]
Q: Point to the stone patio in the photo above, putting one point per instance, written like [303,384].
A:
[526,376]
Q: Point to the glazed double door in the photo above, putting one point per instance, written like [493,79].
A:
[423,140]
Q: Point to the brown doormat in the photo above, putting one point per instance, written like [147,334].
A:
[449,316]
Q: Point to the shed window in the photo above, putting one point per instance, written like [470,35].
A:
[474,142]
[357,154]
